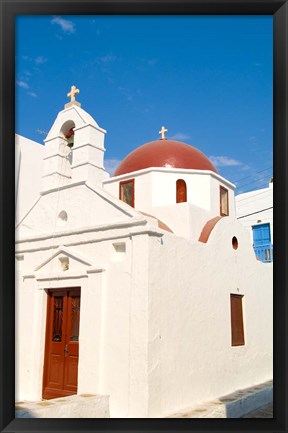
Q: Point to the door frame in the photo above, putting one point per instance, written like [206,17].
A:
[47,341]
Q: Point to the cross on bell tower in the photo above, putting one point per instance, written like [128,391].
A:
[73,92]
[68,161]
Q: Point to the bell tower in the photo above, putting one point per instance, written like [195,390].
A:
[74,148]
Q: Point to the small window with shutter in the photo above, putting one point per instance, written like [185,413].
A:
[237,327]
[126,191]
[224,204]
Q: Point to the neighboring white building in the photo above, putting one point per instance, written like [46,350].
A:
[28,172]
[142,286]
[254,209]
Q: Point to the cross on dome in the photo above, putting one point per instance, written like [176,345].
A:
[162,132]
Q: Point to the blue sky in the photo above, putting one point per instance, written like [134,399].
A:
[208,80]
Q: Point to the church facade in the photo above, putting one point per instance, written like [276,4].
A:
[142,286]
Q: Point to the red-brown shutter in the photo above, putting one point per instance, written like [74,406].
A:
[237,328]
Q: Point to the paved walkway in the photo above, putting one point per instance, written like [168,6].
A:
[265,412]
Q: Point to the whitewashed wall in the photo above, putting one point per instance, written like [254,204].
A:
[107,260]
[155,193]
[155,308]
[157,187]
[84,161]
[113,325]
[28,172]
[190,357]
[155,315]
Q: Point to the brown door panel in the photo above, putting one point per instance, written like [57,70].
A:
[60,375]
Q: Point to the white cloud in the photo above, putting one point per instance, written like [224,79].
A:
[111,165]
[152,61]
[22,84]
[129,94]
[107,58]
[66,26]
[33,94]
[179,136]
[40,59]
[224,161]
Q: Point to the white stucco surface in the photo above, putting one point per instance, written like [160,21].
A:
[191,357]
[155,194]
[157,187]
[255,207]
[151,321]
[28,172]
[84,161]
[155,325]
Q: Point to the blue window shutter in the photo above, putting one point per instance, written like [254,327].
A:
[261,234]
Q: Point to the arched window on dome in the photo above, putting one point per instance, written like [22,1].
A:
[181,191]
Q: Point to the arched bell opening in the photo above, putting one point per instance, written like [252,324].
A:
[67,132]
[67,135]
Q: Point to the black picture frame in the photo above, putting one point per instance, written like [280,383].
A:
[9,10]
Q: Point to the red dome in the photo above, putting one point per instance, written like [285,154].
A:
[164,153]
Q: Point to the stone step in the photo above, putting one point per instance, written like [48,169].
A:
[234,405]
[74,406]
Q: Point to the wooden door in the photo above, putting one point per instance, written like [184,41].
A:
[62,343]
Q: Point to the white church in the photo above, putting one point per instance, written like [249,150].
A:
[143,286]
